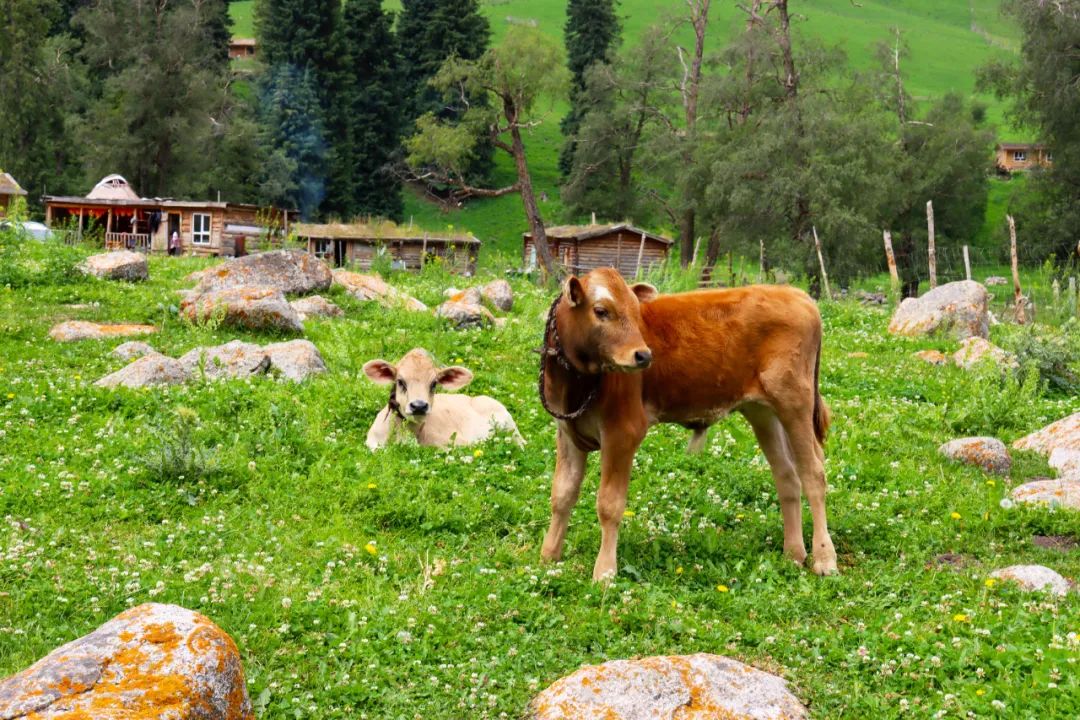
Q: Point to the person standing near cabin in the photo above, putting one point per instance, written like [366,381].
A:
[174,243]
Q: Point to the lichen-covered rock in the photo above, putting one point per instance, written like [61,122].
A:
[235,359]
[257,308]
[974,350]
[315,306]
[958,308]
[498,294]
[75,330]
[465,315]
[1066,462]
[118,265]
[373,287]
[153,661]
[294,272]
[295,360]
[132,349]
[1055,493]
[988,453]
[153,369]
[996,280]
[1034,577]
[1064,433]
[471,296]
[690,687]
[934,357]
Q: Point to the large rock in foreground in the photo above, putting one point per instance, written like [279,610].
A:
[75,330]
[959,308]
[1055,493]
[153,661]
[975,350]
[231,360]
[296,360]
[132,349]
[499,294]
[988,453]
[118,265]
[1064,434]
[373,287]
[316,306]
[294,272]
[465,315]
[152,369]
[690,687]
[257,308]
[1033,578]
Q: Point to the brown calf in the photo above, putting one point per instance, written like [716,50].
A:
[619,359]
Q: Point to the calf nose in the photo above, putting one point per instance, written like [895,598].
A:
[418,407]
[643,358]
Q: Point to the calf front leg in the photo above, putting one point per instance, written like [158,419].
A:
[616,459]
[565,487]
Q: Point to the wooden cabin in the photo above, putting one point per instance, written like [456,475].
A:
[408,247]
[205,227]
[1020,157]
[581,248]
[9,190]
[241,48]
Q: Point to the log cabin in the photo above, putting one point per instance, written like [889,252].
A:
[408,247]
[205,227]
[9,190]
[241,48]
[1020,157]
[581,248]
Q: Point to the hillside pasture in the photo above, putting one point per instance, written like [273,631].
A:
[407,583]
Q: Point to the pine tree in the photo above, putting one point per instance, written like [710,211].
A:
[592,34]
[366,123]
[300,33]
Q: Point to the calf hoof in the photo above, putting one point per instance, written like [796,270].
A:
[796,554]
[825,566]
[603,574]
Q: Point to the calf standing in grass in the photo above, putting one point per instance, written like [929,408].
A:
[617,360]
[413,408]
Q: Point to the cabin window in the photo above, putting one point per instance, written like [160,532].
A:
[321,247]
[200,228]
[1049,157]
[1019,156]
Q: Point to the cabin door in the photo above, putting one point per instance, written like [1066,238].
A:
[339,253]
[174,227]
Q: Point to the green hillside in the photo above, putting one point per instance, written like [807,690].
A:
[948,41]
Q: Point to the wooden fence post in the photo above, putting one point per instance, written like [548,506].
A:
[1072,294]
[762,274]
[931,253]
[894,277]
[640,252]
[1056,286]
[967,263]
[697,245]
[1018,298]
[821,264]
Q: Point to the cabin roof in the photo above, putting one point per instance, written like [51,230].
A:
[586,232]
[112,187]
[242,42]
[379,231]
[115,191]
[8,186]
[1021,146]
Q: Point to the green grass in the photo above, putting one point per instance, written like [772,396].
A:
[242,14]
[452,615]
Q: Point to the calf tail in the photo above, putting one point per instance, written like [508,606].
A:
[822,417]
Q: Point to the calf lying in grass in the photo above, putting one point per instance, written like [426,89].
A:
[413,408]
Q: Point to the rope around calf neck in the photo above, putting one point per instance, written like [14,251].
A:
[556,351]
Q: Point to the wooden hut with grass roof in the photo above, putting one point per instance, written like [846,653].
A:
[405,246]
[9,190]
[581,248]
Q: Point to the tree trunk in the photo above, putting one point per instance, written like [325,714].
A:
[690,88]
[528,199]
[686,237]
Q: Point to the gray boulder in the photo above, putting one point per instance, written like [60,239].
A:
[373,287]
[76,330]
[296,360]
[117,265]
[1064,434]
[132,349]
[1063,493]
[465,315]
[1034,578]
[686,687]
[234,359]
[257,308]
[986,452]
[974,350]
[958,308]
[315,306]
[152,661]
[293,272]
[153,369]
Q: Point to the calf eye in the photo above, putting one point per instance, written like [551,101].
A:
[433,384]
[601,312]
[401,385]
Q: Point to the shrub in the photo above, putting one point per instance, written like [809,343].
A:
[175,455]
[986,400]
[1054,352]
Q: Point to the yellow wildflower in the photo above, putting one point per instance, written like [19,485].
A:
[960,618]
[679,570]
[11,396]
[628,513]
[371,486]
[991,483]
[955,515]
[990,582]
[980,692]
[721,588]
[370,547]
[478,453]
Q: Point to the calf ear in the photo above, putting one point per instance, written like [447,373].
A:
[573,291]
[454,378]
[645,292]
[380,371]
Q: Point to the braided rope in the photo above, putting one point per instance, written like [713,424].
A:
[555,350]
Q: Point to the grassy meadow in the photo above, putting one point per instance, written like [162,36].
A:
[407,583]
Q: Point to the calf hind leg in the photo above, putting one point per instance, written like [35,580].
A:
[773,442]
[808,456]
